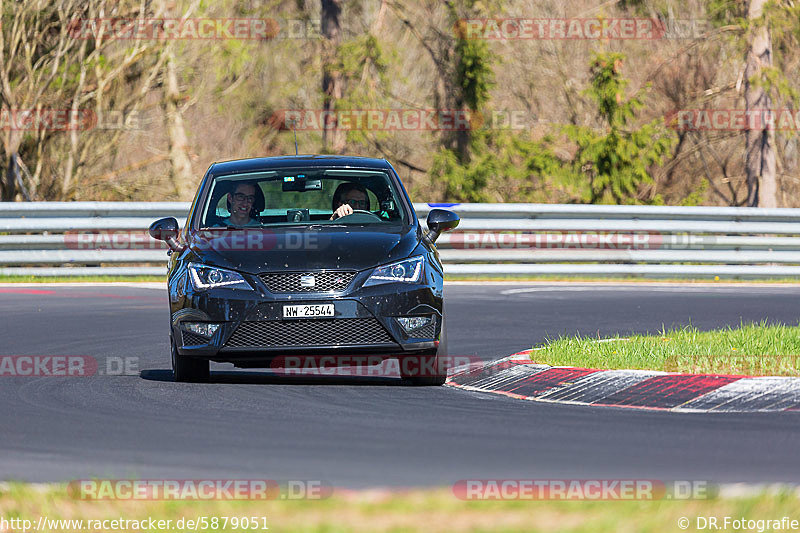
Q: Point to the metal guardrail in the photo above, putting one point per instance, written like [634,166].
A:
[81,238]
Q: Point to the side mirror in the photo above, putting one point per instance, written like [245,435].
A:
[440,220]
[166,229]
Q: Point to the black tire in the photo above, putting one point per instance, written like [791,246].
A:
[433,360]
[187,369]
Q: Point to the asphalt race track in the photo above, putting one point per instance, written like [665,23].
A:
[370,432]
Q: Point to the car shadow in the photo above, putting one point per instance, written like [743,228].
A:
[246,377]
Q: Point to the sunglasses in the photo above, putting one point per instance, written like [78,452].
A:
[357,204]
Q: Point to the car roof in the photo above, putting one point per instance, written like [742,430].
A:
[255,164]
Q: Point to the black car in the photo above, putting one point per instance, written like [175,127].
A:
[305,256]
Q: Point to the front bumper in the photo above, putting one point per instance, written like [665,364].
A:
[252,328]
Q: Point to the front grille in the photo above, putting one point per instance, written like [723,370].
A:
[425,332]
[333,281]
[192,339]
[312,332]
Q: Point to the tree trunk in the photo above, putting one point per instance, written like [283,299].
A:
[461,138]
[333,138]
[760,163]
[448,99]
[72,161]
[180,165]
[464,135]
[12,175]
[8,181]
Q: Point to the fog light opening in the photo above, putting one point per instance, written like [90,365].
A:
[411,323]
[204,329]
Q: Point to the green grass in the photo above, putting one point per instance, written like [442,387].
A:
[750,349]
[382,511]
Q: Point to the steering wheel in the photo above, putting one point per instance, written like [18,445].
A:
[362,212]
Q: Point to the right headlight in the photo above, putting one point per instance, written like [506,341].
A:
[405,271]
[208,277]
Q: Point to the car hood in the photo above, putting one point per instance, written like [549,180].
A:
[302,248]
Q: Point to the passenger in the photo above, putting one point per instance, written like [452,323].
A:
[240,205]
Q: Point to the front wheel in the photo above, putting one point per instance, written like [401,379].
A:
[187,369]
[427,380]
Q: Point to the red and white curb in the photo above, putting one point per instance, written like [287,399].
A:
[519,377]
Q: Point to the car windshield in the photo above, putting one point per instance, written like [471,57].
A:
[303,196]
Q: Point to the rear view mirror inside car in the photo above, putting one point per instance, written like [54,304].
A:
[300,184]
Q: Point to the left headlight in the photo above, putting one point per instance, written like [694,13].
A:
[407,271]
[206,277]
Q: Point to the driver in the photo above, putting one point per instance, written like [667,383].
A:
[349,196]
[240,205]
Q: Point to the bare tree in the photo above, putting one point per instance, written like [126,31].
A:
[57,57]
[26,73]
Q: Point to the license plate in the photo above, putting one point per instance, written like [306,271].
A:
[308,311]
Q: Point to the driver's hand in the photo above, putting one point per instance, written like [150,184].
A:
[342,211]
